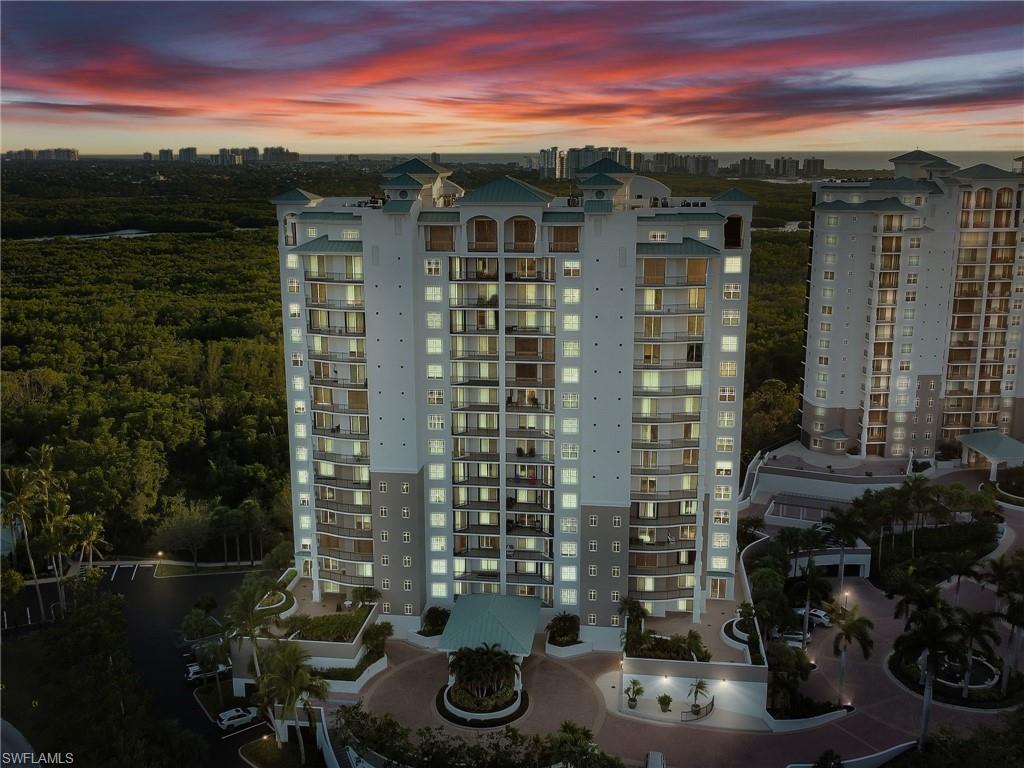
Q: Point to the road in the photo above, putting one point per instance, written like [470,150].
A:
[154,609]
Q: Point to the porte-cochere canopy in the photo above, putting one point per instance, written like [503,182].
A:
[505,620]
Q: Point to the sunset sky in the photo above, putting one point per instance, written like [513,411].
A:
[511,77]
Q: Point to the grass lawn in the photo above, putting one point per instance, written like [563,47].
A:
[207,695]
[264,752]
[23,699]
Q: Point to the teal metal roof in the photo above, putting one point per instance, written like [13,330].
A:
[604,166]
[562,217]
[295,196]
[734,196]
[597,206]
[439,217]
[323,245]
[328,216]
[398,206]
[688,247]
[697,217]
[985,171]
[506,620]
[403,181]
[506,190]
[917,156]
[886,205]
[599,180]
[993,445]
[416,165]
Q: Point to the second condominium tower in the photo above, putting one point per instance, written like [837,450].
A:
[503,391]
[915,306]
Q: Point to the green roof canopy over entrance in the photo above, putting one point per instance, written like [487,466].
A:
[994,446]
[506,620]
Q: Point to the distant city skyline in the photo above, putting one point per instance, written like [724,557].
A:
[372,78]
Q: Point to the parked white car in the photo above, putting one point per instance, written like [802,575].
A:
[818,616]
[230,719]
[195,672]
[793,638]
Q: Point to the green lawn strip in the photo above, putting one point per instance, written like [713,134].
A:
[264,753]
[24,700]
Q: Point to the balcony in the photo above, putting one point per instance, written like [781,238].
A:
[668,309]
[482,246]
[472,354]
[336,381]
[348,276]
[666,336]
[530,276]
[344,554]
[672,569]
[358,410]
[665,545]
[354,303]
[523,302]
[470,330]
[479,553]
[665,363]
[340,506]
[662,469]
[478,505]
[530,457]
[476,481]
[484,576]
[566,246]
[342,482]
[474,432]
[529,481]
[675,442]
[670,494]
[669,417]
[473,275]
[519,247]
[475,381]
[665,391]
[467,406]
[342,577]
[513,354]
[338,357]
[340,434]
[524,507]
[527,555]
[473,302]
[337,330]
[490,457]
[533,405]
[661,594]
[530,383]
[528,578]
[530,330]
[341,458]
[338,530]
[669,281]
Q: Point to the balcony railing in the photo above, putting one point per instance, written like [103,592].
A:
[338,357]
[530,330]
[564,247]
[676,363]
[519,247]
[334,303]
[667,417]
[670,281]
[337,330]
[482,246]
[664,391]
[349,276]
[541,276]
[668,309]
[667,336]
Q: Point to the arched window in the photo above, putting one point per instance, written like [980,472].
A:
[520,234]
[1004,198]
[483,234]
[983,199]
[734,232]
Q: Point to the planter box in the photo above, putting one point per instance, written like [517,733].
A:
[568,651]
[355,686]
[423,642]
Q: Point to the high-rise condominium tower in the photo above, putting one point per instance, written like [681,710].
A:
[914,307]
[502,391]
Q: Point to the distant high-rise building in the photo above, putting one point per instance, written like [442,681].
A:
[435,157]
[250,155]
[814,167]
[188,154]
[552,163]
[166,155]
[147,157]
[279,155]
[701,165]
[914,313]
[786,167]
[753,167]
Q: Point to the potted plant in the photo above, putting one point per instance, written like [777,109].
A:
[665,702]
[698,688]
[633,692]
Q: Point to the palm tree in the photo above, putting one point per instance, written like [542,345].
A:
[961,564]
[790,539]
[982,504]
[920,598]
[19,503]
[1006,575]
[289,681]
[920,498]
[1014,616]
[243,618]
[929,634]
[249,510]
[55,534]
[847,526]
[210,656]
[573,745]
[853,628]
[811,538]
[811,587]
[88,534]
[635,613]
[41,460]
[977,630]
[699,688]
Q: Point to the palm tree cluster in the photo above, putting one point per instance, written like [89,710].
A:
[484,671]
[564,629]
[37,504]
[289,682]
[939,635]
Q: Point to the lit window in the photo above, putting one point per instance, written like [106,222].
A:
[721,516]
[723,492]
[302,476]
[439,589]
[720,540]
[570,426]
[569,501]
[571,268]
[570,451]
[568,596]
[730,343]
[571,348]
[299,406]
[436,447]
[293,286]
[730,317]
[724,444]
[435,346]
[723,468]
[568,525]
[570,400]
[732,265]
[435,371]
[570,375]
[657,236]
[567,573]
[435,421]
[570,295]
[727,418]
[310,231]
[434,320]
[731,291]
[719,563]
[437,495]
[727,394]
[432,267]
[298,383]
[727,368]
[295,334]
[432,293]
[435,397]
[438,520]
[292,260]
[570,322]
[350,234]
[569,476]
[435,471]
[567,548]
[300,430]
[703,233]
